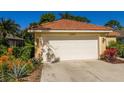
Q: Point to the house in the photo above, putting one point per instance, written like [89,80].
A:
[70,40]
[14,40]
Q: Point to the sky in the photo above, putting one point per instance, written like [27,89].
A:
[24,18]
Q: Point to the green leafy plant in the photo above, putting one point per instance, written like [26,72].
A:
[3,72]
[119,46]
[112,44]
[121,52]
[13,69]
[18,72]
[17,52]
[3,50]
[36,61]
[24,53]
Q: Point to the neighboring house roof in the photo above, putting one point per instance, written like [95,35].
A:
[66,24]
[114,33]
[10,36]
[121,33]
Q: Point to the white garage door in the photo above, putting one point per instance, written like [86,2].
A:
[74,48]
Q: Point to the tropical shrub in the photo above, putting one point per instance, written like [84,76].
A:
[109,55]
[14,69]
[121,52]
[3,68]
[18,71]
[3,72]
[17,52]
[36,61]
[3,50]
[113,44]
[119,46]
[17,62]
[25,53]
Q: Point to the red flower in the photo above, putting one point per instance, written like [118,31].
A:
[110,54]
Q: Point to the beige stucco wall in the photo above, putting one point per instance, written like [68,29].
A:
[109,39]
[102,42]
[38,45]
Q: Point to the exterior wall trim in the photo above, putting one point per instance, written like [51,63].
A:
[59,31]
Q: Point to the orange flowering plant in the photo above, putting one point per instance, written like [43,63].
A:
[14,68]
[10,50]
[4,58]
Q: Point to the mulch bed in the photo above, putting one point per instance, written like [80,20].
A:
[35,76]
[117,61]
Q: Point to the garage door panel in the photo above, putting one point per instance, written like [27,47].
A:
[68,48]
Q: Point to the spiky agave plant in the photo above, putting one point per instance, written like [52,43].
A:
[18,72]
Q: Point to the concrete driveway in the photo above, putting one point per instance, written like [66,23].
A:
[82,71]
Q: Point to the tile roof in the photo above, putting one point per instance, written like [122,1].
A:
[66,24]
[121,32]
[114,33]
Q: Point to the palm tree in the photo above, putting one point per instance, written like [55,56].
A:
[8,26]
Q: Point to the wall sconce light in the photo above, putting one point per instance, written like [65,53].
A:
[103,40]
